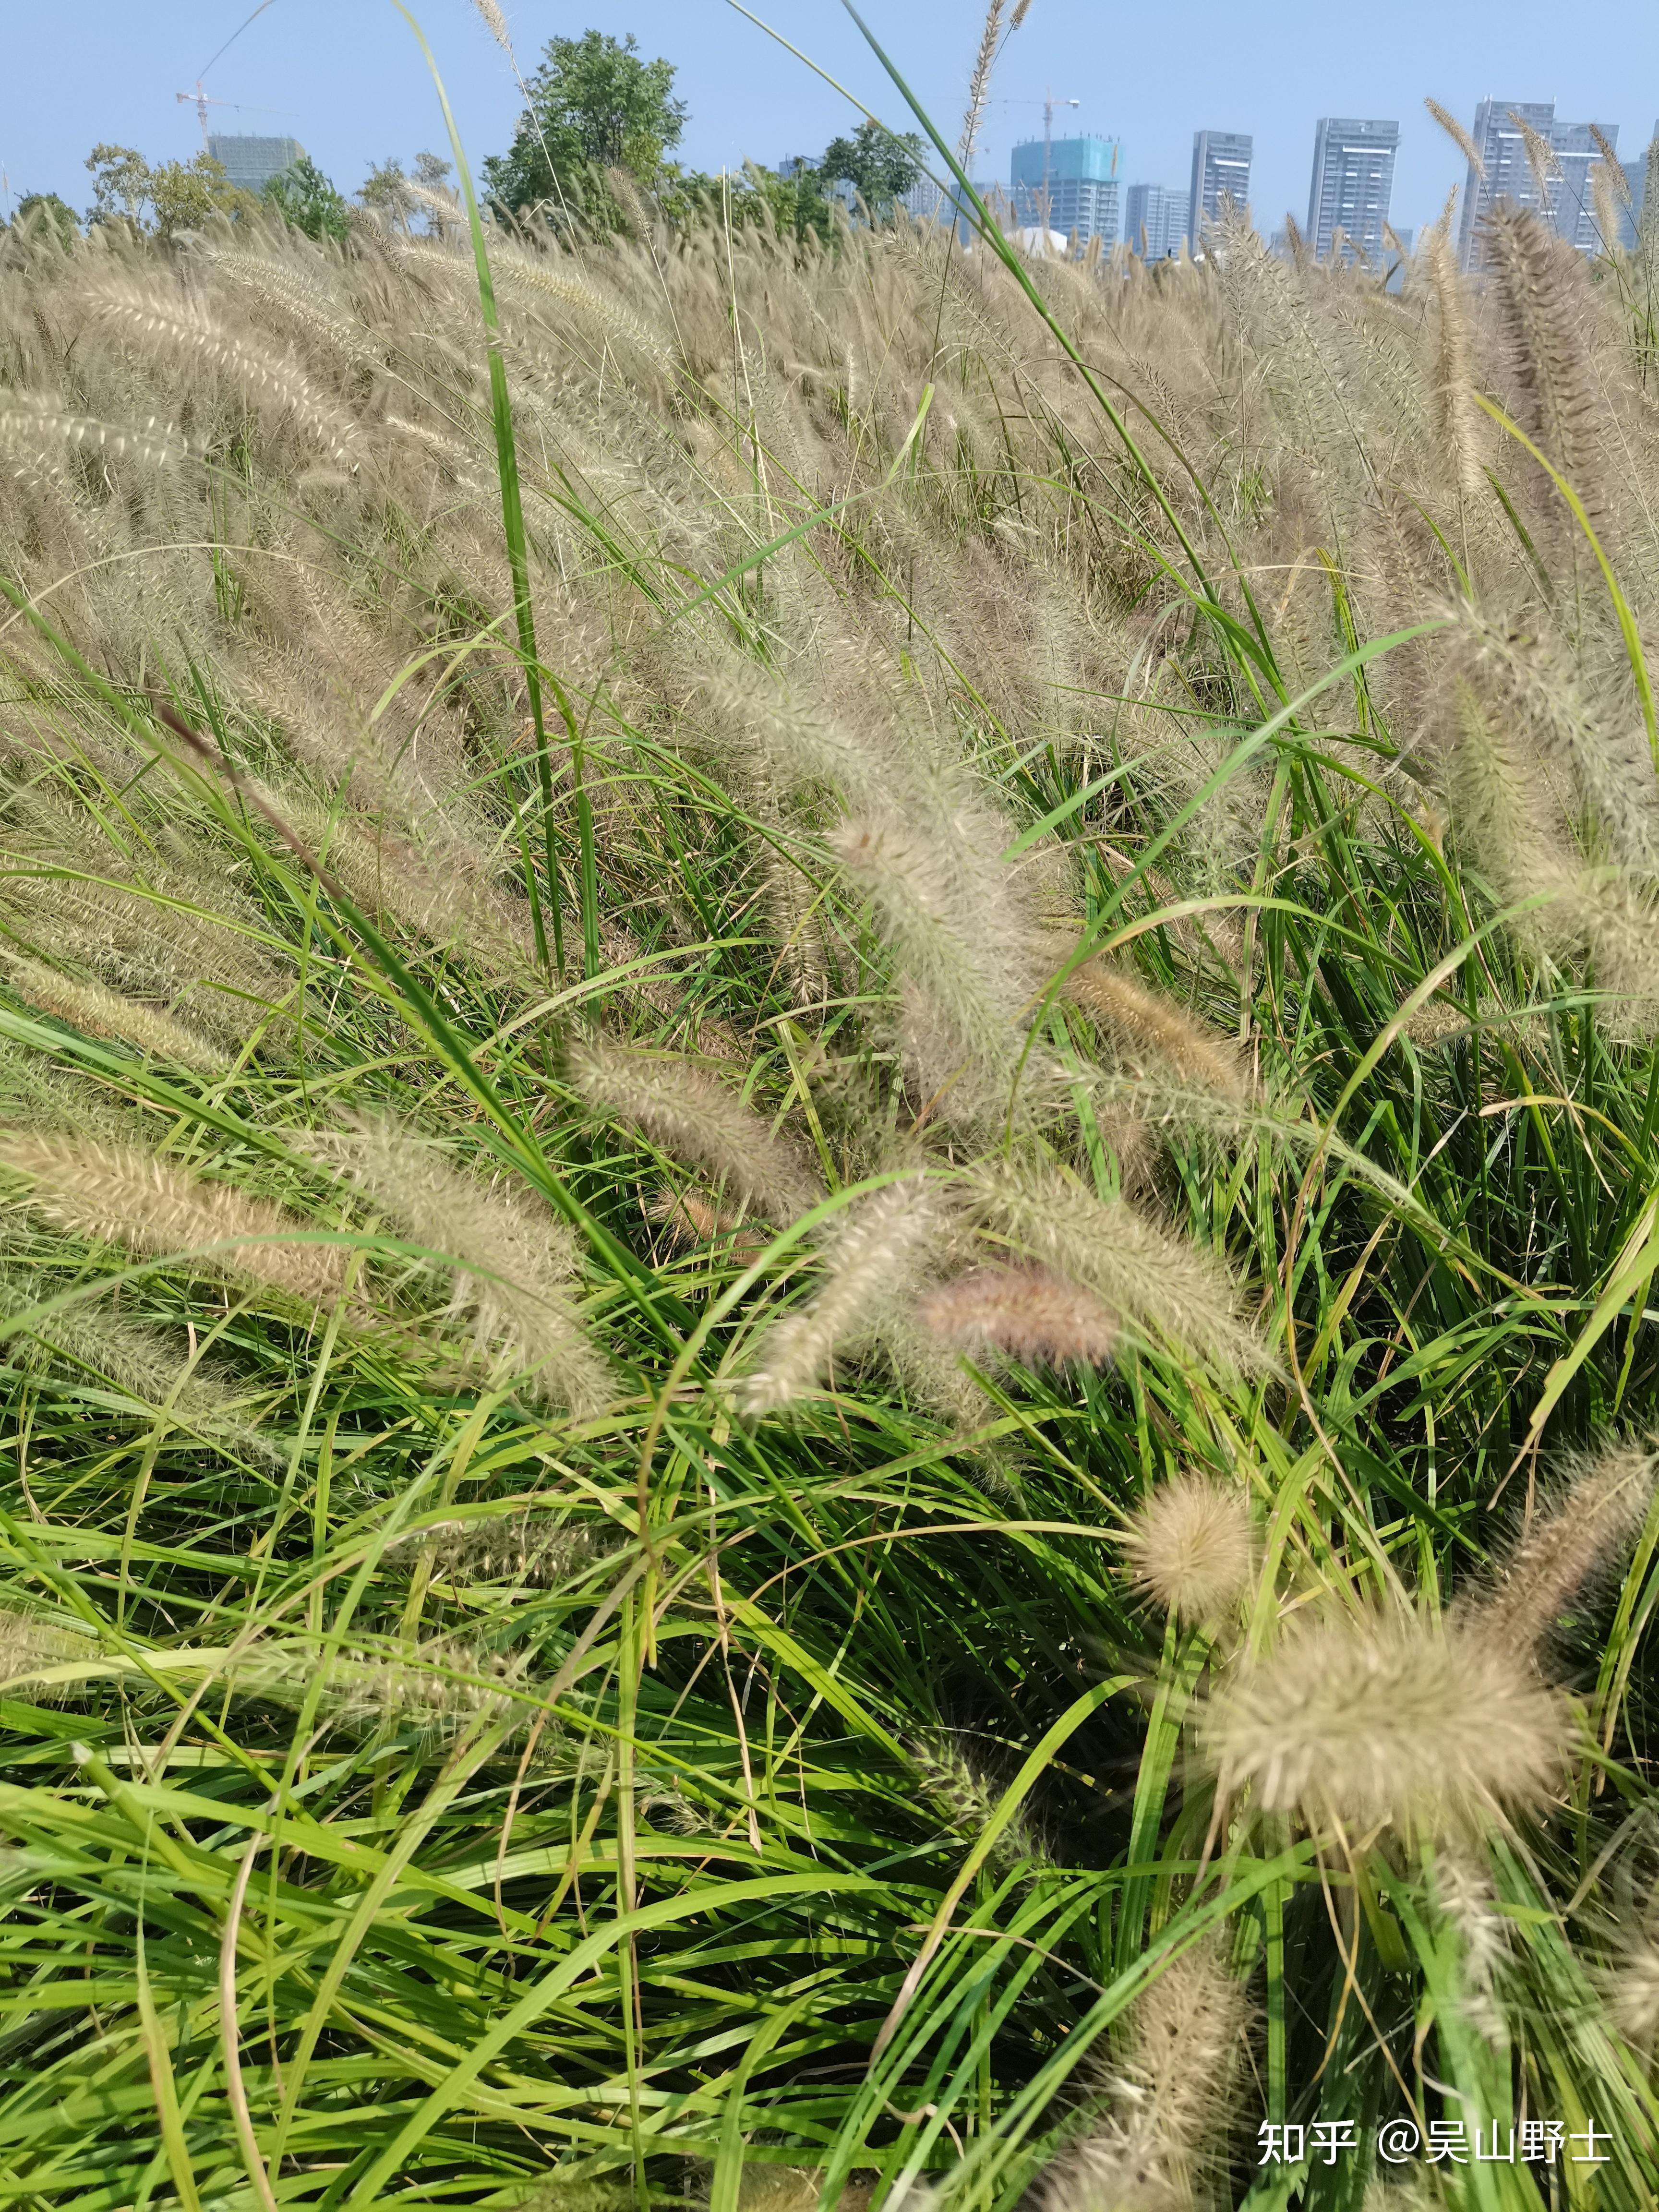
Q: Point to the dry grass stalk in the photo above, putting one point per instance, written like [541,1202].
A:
[1030,1314]
[116,1194]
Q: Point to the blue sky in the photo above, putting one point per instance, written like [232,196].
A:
[346,78]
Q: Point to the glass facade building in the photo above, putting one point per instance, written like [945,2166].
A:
[251,161]
[1221,169]
[1155,220]
[1353,179]
[1077,177]
[1566,198]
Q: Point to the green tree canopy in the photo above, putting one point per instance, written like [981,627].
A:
[44,214]
[178,196]
[880,166]
[386,191]
[303,196]
[594,102]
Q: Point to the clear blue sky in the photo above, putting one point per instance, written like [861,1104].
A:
[344,77]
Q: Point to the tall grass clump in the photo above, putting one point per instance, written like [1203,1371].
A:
[829,1196]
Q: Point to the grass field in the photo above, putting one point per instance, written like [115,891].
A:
[828,1114]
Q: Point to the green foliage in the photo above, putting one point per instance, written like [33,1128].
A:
[174,197]
[303,197]
[593,104]
[880,165]
[48,215]
[826,1311]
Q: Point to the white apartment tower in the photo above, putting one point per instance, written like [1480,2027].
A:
[1567,152]
[1155,220]
[1352,179]
[1221,170]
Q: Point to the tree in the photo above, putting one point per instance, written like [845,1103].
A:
[880,166]
[593,103]
[120,183]
[43,214]
[180,195]
[390,193]
[386,191]
[303,196]
[187,194]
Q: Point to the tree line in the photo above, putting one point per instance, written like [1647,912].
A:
[598,130]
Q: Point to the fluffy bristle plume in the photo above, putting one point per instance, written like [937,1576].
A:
[1144,1024]
[100,1012]
[1031,1313]
[1542,288]
[694,1117]
[961,932]
[116,1194]
[1168,2108]
[1191,1547]
[1166,1287]
[1587,1526]
[1372,1722]
[509,1258]
[875,1258]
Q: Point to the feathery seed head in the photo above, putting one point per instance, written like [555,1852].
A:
[1404,1722]
[876,1256]
[1601,1507]
[1143,1273]
[1192,1548]
[100,1013]
[1459,136]
[1160,2142]
[1031,1314]
[1631,1989]
[437,1688]
[955,1783]
[694,1117]
[510,1259]
[495,23]
[116,1195]
[30,1643]
[1143,1023]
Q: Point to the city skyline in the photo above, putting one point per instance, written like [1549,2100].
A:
[352,95]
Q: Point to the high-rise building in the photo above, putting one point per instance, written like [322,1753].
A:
[1155,220]
[1067,184]
[251,161]
[1635,176]
[1353,177]
[1572,196]
[1221,169]
[1566,198]
[1502,145]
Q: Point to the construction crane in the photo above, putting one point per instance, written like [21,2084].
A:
[201,101]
